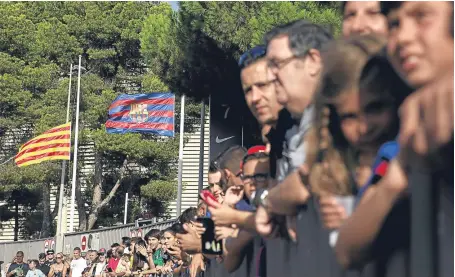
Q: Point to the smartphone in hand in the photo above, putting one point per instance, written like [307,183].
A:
[210,245]
[206,195]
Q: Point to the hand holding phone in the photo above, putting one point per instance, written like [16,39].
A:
[208,198]
[210,245]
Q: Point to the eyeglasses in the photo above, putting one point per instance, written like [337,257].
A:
[279,64]
[252,54]
[257,178]
[58,257]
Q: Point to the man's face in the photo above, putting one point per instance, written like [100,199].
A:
[118,252]
[77,254]
[93,256]
[296,78]
[363,17]
[153,242]
[233,178]
[42,261]
[260,92]
[254,172]
[50,257]
[19,258]
[214,183]
[420,45]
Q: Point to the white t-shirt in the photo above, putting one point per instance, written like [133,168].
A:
[77,266]
[99,267]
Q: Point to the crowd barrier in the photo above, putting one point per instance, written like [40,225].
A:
[312,255]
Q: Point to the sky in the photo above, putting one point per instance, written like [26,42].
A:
[174,5]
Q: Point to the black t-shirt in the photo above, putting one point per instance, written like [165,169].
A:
[276,137]
[14,266]
[44,268]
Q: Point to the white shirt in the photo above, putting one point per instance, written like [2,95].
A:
[99,267]
[77,266]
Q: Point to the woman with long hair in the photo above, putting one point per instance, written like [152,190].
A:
[142,261]
[59,268]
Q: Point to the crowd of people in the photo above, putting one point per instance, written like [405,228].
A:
[346,124]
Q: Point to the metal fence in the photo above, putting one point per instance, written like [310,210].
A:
[31,249]
[86,240]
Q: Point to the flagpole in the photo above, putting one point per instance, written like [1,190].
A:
[59,242]
[76,132]
[180,170]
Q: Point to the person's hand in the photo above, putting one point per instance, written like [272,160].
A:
[112,273]
[191,241]
[264,224]
[291,226]
[159,268]
[222,216]
[198,227]
[427,117]
[333,214]
[233,195]
[176,252]
[197,265]
[142,250]
[222,232]
[395,180]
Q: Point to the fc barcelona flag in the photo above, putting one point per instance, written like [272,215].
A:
[142,113]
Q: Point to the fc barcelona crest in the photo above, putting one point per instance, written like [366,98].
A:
[139,113]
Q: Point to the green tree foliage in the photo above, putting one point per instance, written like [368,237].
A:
[195,49]
[38,41]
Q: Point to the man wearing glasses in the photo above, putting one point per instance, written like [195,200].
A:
[19,268]
[294,61]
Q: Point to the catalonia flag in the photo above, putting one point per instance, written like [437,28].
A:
[142,113]
[54,144]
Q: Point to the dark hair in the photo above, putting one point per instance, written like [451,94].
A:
[36,262]
[379,77]
[303,36]
[188,215]
[177,228]
[230,158]
[254,156]
[75,248]
[213,168]
[126,241]
[251,56]
[154,233]
[388,6]
[343,6]
[138,259]
[41,256]
[109,254]
[115,245]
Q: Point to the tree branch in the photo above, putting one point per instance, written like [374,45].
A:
[95,209]
[116,186]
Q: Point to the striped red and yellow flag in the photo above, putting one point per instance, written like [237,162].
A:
[54,144]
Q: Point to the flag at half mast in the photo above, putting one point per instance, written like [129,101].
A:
[54,144]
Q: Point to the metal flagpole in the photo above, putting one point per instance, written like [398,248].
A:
[179,191]
[126,209]
[201,145]
[76,132]
[59,242]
